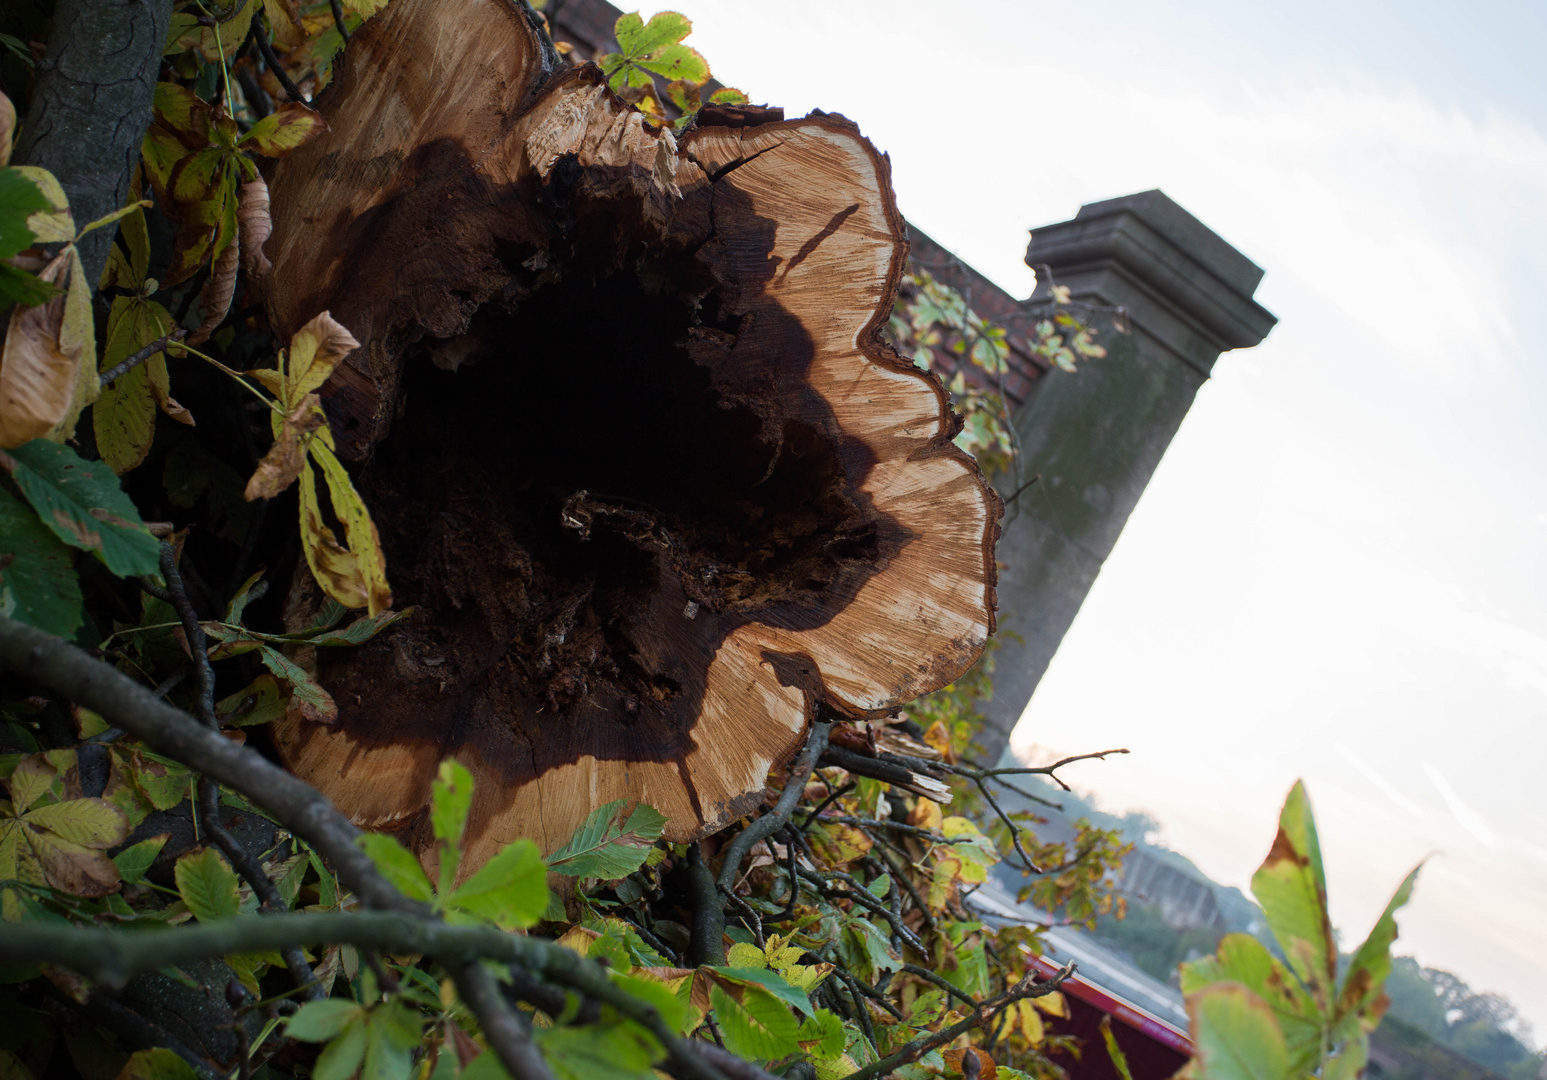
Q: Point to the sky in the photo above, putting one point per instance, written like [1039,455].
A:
[1337,572]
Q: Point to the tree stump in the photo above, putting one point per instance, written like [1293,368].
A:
[623,418]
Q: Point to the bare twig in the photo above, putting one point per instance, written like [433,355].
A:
[338,19]
[916,1048]
[774,820]
[241,859]
[262,41]
[505,1029]
[129,363]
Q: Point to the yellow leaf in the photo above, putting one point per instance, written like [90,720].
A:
[745,954]
[840,844]
[285,18]
[91,823]
[287,127]
[37,373]
[269,379]
[578,939]
[366,8]
[925,815]
[54,226]
[124,418]
[187,33]
[1053,1004]
[315,351]
[1030,1022]
[359,530]
[31,780]
[287,457]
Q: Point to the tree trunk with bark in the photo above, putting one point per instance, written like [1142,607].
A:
[623,418]
[91,105]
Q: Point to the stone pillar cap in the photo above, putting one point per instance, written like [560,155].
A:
[1178,278]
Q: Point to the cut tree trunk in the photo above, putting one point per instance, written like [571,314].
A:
[635,449]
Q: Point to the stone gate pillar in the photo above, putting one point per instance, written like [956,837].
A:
[1096,435]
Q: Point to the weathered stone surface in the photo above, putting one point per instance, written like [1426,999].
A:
[1096,436]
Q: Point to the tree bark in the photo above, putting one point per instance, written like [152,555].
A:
[91,105]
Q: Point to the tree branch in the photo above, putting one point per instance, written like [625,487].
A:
[911,1051]
[128,364]
[306,812]
[504,1028]
[774,820]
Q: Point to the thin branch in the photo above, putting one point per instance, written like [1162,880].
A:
[774,820]
[900,876]
[825,803]
[111,957]
[955,992]
[262,41]
[241,859]
[300,808]
[338,19]
[1049,771]
[505,1029]
[916,1048]
[128,364]
[1015,832]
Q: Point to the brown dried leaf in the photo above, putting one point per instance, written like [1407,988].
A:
[7,128]
[71,868]
[253,216]
[37,374]
[219,287]
[287,457]
[315,351]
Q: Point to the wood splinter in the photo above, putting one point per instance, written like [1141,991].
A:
[625,422]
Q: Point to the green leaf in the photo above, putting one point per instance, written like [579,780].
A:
[360,631]
[157,1064]
[341,1058]
[84,506]
[21,287]
[1243,959]
[608,847]
[259,703]
[20,198]
[392,1030]
[1235,1037]
[1292,889]
[771,981]
[1115,1052]
[238,605]
[397,864]
[38,585]
[450,799]
[678,63]
[207,885]
[1361,995]
[319,1021]
[306,695]
[617,1051]
[822,1036]
[135,861]
[637,38]
[756,1025]
[510,890]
